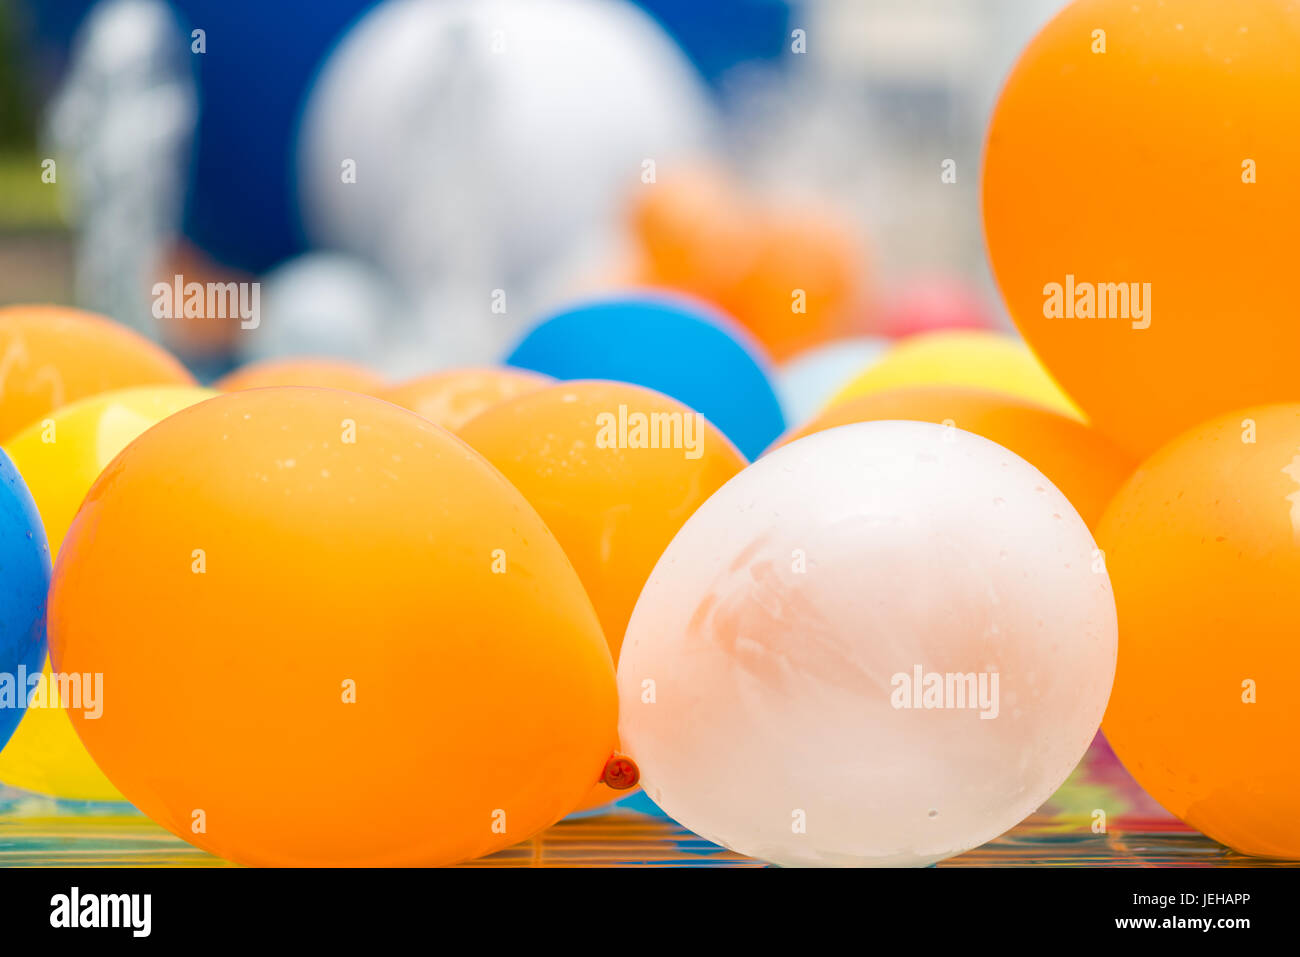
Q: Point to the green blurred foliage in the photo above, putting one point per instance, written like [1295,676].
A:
[17,122]
[25,201]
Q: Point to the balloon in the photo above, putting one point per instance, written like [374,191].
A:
[614,470]
[52,355]
[807,675]
[788,272]
[324,304]
[314,372]
[1203,546]
[61,458]
[334,634]
[932,304]
[542,115]
[613,497]
[1169,221]
[25,567]
[978,360]
[806,382]
[1086,466]
[672,345]
[453,397]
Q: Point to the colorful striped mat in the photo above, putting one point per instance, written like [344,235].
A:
[38,831]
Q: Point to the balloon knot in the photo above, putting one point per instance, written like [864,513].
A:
[621,772]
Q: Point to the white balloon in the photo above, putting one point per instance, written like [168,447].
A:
[325,304]
[768,680]
[489,136]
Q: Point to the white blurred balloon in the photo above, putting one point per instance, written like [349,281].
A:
[325,304]
[123,124]
[489,137]
[765,667]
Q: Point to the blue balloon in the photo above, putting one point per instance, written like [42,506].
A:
[673,345]
[809,380]
[24,587]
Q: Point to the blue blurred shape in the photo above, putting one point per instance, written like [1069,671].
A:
[722,34]
[24,587]
[674,345]
[252,81]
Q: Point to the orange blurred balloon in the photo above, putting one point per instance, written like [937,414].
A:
[613,503]
[332,634]
[453,397]
[789,273]
[694,231]
[53,355]
[1164,160]
[1203,549]
[1085,465]
[314,372]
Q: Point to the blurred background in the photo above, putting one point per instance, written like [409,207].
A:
[413,182]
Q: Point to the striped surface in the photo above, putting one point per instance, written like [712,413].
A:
[37,831]
[617,839]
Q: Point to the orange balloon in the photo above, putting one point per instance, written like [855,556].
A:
[806,254]
[53,355]
[453,397]
[318,373]
[701,235]
[694,231]
[332,633]
[1086,466]
[1166,162]
[571,449]
[1203,549]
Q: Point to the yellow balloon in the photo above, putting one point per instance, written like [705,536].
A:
[966,358]
[59,457]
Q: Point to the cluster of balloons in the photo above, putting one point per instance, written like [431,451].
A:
[60,457]
[1129,275]
[791,273]
[247,577]
[844,598]
[307,525]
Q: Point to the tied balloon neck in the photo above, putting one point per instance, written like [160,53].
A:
[621,773]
